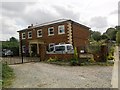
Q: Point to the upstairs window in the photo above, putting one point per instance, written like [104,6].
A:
[39,33]
[50,31]
[61,29]
[30,34]
[23,35]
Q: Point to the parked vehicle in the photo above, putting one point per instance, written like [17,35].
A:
[61,49]
[7,52]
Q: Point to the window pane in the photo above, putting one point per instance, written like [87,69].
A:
[39,33]
[23,35]
[61,29]
[69,48]
[60,48]
[50,31]
[29,34]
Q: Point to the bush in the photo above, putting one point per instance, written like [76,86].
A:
[110,57]
[52,59]
[91,60]
[74,60]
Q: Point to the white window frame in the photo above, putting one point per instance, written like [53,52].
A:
[59,29]
[29,33]
[49,31]
[38,33]
[23,35]
[51,44]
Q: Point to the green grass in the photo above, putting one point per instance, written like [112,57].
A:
[7,75]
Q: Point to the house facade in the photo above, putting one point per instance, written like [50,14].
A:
[37,39]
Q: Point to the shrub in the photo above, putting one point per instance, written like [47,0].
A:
[91,60]
[74,60]
[110,57]
[52,59]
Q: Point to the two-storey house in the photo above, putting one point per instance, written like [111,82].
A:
[37,39]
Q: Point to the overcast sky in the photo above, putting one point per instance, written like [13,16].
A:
[97,14]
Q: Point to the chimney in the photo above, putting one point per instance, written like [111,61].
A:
[30,26]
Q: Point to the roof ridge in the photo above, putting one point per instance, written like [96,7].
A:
[51,21]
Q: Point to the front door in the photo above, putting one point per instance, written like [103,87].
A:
[34,50]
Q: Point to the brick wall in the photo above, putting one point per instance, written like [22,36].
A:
[80,36]
[59,56]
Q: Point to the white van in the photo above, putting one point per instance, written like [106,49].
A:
[62,49]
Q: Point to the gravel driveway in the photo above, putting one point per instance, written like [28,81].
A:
[42,75]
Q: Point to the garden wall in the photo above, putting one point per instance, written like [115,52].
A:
[60,56]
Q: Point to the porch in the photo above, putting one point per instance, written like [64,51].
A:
[37,48]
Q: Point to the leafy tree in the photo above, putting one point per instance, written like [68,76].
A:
[96,35]
[111,32]
[117,28]
[13,39]
[105,36]
[12,44]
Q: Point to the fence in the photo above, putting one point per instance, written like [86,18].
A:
[18,60]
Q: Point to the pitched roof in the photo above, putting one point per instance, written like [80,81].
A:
[51,22]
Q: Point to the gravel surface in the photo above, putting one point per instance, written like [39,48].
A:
[42,75]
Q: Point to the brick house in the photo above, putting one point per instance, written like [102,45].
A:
[36,39]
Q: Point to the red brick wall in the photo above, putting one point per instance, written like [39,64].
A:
[80,36]
[60,56]
[56,38]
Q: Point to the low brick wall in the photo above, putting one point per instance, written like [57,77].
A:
[60,56]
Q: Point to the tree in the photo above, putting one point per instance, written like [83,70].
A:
[117,28]
[111,32]
[118,37]
[12,44]
[104,36]
[13,39]
[96,35]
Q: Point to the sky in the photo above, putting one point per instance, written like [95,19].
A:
[16,15]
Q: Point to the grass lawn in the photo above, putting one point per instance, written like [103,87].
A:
[7,75]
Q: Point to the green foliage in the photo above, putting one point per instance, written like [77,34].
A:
[105,36]
[112,49]
[111,32]
[110,57]
[96,35]
[74,60]
[111,53]
[118,37]
[7,75]
[52,59]
[13,39]
[91,60]
[94,47]
[75,54]
[13,44]
[98,63]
